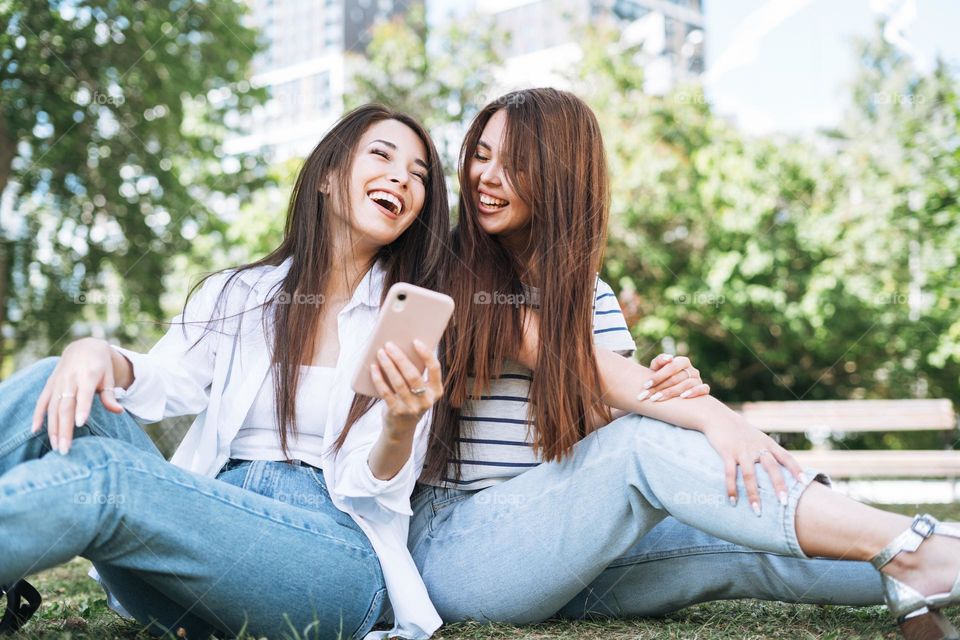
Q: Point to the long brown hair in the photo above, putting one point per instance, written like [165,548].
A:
[554,160]
[414,257]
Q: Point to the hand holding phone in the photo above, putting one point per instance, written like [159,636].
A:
[405,393]
[394,371]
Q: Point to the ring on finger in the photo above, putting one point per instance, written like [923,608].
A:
[419,391]
[687,371]
[67,395]
[760,453]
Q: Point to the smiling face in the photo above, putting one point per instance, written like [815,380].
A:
[501,211]
[388,177]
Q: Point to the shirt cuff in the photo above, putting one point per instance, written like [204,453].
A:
[376,499]
[144,397]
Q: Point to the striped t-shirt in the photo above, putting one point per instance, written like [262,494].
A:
[496,430]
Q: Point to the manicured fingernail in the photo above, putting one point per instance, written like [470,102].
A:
[64,446]
[642,395]
[648,384]
[392,348]
[381,353]
[667,357]
[756,508]
[419,344]
[656,396]
[686,394]
[783,498]
[79,420]
[733,501]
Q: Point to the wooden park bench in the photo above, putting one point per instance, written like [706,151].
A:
[819,419]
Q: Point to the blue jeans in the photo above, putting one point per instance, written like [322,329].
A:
[590,536]
[178,549]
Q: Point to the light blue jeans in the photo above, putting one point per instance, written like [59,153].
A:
[178,549]
[590,536]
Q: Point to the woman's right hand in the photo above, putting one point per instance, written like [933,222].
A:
[84,370]
[674,376]
[405,392]
[407,396]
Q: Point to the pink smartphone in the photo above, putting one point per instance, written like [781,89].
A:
[408,312]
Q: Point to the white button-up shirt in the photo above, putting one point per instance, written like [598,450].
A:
[218,379]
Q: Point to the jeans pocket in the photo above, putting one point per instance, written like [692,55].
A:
[373,614]
[319,479]
[234,472]
[320,500]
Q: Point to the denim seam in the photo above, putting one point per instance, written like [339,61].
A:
[625,561]
[33,486]
[100,430]
[248,472]
[440,505]
[376,605]
[321,483]
[19,440]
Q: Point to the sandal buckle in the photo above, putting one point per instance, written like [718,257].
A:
[924,526]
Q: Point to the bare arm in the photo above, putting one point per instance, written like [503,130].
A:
[122,370]
[737,442]
[622,381]
[395,378]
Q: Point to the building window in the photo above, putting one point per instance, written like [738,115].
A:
[321,91]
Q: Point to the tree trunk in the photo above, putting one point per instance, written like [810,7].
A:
[7,150]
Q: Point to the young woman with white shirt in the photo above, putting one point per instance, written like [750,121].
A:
[534,504]
[286,505]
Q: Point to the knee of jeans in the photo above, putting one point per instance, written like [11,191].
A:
[633,439]
[99,414]
[100,449]
[626,436]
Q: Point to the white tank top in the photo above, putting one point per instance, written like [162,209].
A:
[259,438]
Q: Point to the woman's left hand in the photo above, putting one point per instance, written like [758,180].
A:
[674,376]
[740,444]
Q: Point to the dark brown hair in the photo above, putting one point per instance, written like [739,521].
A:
[414,257]
[554,160]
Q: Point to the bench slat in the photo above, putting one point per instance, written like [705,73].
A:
[850,415]
[875,464]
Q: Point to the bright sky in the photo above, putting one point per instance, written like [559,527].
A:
[783,64]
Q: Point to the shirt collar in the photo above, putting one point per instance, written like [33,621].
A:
[265,280]
[370,290]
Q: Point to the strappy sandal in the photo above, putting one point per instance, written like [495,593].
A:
[919,616]
[18,612]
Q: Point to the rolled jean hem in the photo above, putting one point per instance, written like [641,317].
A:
[793,501]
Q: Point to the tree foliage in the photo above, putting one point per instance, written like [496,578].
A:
[112,114]
[787,267]
[442,76]
[811,267]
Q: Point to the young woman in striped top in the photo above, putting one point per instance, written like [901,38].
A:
[531,508]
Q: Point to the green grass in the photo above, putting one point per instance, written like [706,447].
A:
[74,607]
